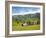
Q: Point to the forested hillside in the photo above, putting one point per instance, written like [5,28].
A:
[27,17]
[26,22]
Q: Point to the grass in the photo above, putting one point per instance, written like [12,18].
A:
[29,27]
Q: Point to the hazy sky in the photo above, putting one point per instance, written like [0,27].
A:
[24,10]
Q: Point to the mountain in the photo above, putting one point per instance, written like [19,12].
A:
[26,17]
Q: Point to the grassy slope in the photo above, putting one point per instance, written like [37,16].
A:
[21,28]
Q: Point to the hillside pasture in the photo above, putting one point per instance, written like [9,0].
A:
[19,27]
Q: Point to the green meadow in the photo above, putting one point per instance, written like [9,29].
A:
[20,28]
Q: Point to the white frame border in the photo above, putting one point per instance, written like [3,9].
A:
[24,32]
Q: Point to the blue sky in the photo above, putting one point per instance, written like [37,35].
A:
[24,10]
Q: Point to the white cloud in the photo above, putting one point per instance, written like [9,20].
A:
[26,13]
